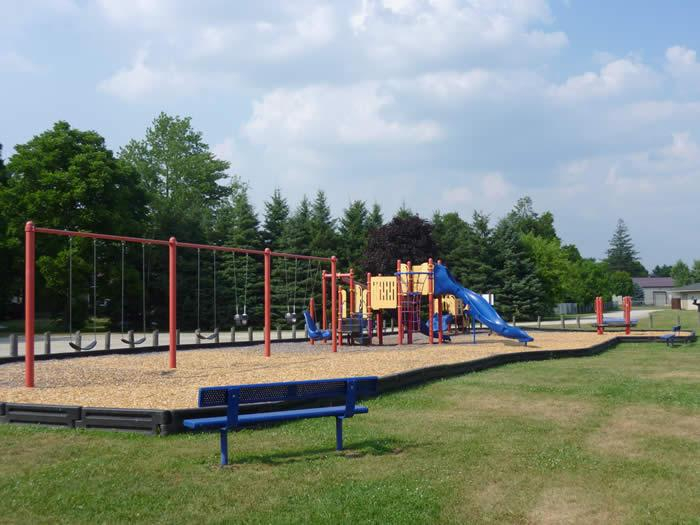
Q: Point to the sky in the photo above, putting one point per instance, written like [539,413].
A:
[590,107]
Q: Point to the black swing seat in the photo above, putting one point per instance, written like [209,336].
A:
[209,337]
[92,344]
[138,341]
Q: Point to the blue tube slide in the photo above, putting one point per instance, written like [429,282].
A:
[479,307]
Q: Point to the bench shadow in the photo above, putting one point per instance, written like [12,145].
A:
[352,449]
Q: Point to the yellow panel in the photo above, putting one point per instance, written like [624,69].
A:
[383,292]
[451,305]
[343,303]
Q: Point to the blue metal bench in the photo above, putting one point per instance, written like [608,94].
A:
[669,339]
[346,391]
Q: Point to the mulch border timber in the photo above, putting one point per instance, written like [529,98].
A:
[166,422]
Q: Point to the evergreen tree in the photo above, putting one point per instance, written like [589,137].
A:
[323,235]
[681,274]
[404,212]
[520,292]
[242,275]
[276,217]
[525,220]
[477,256]
[452,236]
[353,235]
[695,272]
[622,255]
[375,219]
[663,270]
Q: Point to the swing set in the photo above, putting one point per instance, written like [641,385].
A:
[173,245]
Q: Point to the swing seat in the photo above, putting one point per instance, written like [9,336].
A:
[206,337]
[314,332]
[79,348]
[138,341]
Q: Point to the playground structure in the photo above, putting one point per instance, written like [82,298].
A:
[173,245]
[360,308]
[626,320]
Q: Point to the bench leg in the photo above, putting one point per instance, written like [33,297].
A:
[339,433]
[223,438]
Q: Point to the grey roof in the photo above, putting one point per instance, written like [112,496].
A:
[688,288]
[653,282]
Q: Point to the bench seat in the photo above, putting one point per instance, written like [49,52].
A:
[266,417]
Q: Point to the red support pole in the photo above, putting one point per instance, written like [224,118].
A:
[411,306]
[351,292]
[267,299]
[439,319]
[172,302]
[311,314]
[627,306]
[431,299]
[29,269]
[368,308]
[599,314]
[380,327]
[334,304]
[399,309]
[340,316]
[324,305]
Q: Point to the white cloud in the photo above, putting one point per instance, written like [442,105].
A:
[484,190]
[142,80]
[398,32]
[12,62]
[327,114]
[614,78]
[682,64]
[139,13]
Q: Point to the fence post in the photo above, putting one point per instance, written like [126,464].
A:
[177,337]
[155,339]
[392,325]
[78,340]
[47,343]
[514,321]
[294,331]
[539,321]
[108,340]
[563,322]
[131,339]
[678,319]
[250,333]
[216,336]
[279,333]
[651,320]
[13,345]
[233,334]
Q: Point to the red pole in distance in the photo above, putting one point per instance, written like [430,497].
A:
[411,306]
[324,306]
[431,299]
[351,299]
[627,305]
[267,299]
[368,308]
[399,310]
[334,303]
[172,302]
[599,314]
[380,327]
[439,319]
[29,268]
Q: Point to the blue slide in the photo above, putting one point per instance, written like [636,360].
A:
[446,321]
[479,307]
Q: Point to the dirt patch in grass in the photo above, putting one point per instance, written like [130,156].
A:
[678,374]
[627,428]
[572,505]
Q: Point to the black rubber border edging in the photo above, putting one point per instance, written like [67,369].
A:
[165,422]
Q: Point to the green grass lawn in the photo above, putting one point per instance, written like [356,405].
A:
[16,326]
[607,439]
[666,319]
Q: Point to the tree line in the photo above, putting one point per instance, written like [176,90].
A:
[170,183]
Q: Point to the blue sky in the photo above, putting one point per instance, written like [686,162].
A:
[590,107]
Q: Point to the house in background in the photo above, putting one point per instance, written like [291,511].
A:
[687,294]
[657,290]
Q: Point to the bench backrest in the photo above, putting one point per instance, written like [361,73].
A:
[289,391]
